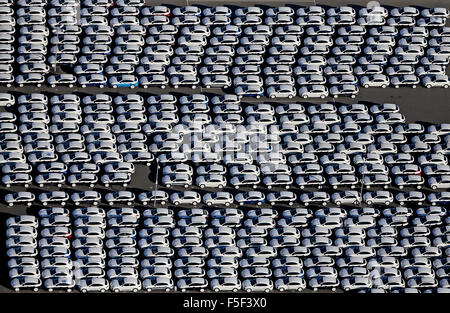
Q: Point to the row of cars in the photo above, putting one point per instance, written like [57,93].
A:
[335,175]
[304,11]
[392,250]
[113,52]
[223,198]
[305,175]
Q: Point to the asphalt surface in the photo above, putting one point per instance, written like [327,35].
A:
[420,104]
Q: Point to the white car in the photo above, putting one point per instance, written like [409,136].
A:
[218,198]
[281,91]
[225,284]
[290,283]
[186,197]
[211,181]
[257,285]
[344,90]
[59,283]
[378,197]
[26,197]
[25,282]
[376,80]
[126,284]
[405,80]
[354,283]
[94,284]
[441,181]
[436,80]
[345,197]
[313,91]
[435,12]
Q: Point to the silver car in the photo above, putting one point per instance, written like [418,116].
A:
[313,91]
